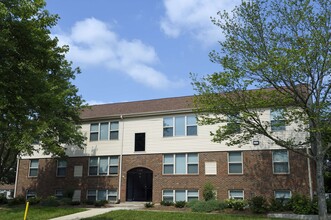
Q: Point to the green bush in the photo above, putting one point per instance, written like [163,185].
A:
[89,202]
[235,204]
[73,203]
[258,204]
[180,204]
[149,205]
[100,203]
[65,201]
[192,203]
[3,199]
[167,203]
[207,206]
[34,200]
[68,193]
[19,200]
[301,204]
[50,201]
[209,192]
[279,205]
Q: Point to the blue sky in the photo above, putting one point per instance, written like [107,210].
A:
[138,49]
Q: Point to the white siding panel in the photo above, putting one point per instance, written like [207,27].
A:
[211,168]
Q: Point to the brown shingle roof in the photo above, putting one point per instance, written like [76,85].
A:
[155,106]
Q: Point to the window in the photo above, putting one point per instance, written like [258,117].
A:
[103,165]
[283,195]
[170,195]
[277,121]
[98,195]
[139,142]
[280,162]
[236,194]
[180,163]
[94,132]
[30,194]
[235,162]
[59,193]
[104,131]
[33,171]
[114,130]
[179,126]
[61,168]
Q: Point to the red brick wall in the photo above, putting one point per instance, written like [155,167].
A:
[257,177]
[47,182]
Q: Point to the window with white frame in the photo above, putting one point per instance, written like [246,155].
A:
[103,166]
[33,169]
[283,195]
[102,194]
[61,168]
[235,161]
[180,126]
[169,195]
[277,121]
[280,161]
[104,131]
[236,194]
[181,163]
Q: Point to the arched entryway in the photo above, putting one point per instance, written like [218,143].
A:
[139,184]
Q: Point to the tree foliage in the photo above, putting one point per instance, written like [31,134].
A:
[281,50]
[38,102]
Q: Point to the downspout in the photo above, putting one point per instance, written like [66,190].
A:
[16,176]
[309,177]
[121,159]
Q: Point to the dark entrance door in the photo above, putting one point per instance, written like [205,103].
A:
[139,184]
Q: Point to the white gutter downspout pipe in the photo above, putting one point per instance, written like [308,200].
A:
[121,159]
[16,177]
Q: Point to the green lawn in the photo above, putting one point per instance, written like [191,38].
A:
[36,212]
[157,215]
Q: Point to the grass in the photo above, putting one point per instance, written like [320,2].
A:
[150,215]
[36,212]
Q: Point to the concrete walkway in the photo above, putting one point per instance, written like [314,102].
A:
[98,211]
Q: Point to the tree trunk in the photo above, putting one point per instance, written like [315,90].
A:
[322,210]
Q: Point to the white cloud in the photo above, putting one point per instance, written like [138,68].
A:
[95,102]
[92,42]
[193,17]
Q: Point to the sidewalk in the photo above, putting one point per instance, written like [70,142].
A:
[98,211]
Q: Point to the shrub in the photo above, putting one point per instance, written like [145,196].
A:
[192,203]
[100,203]
[50,201]
[34,200]
[258,204]
[65,201]
[69,193]
[180,204]
[16,201]
[89,202]
[3,199]
[239,205]
[208,192]
[149,205]
[75,203]
[167,203]
[301,204]
[279,205]
[235,204]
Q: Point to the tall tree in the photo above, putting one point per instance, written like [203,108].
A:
[38,102]
[281,48]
